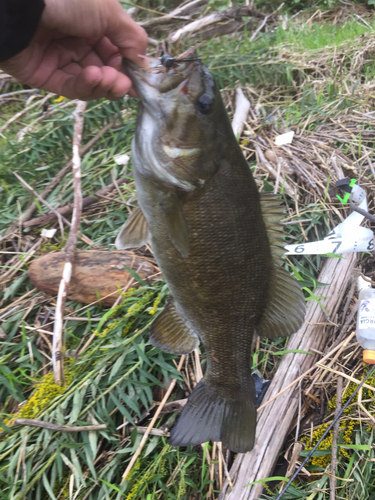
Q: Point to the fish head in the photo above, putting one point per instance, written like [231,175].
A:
[178,136]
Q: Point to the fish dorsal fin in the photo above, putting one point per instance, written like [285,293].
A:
[273,211]
[170,332]
[285,305]
[134,233]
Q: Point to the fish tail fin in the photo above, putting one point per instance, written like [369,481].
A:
[208,416]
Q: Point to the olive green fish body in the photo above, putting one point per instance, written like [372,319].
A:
[221,287]
[217,244]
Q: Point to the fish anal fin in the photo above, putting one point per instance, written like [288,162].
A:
[207,416]
[170,332]
[285,307]
[134,233]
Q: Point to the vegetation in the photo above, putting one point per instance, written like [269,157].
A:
[314,77]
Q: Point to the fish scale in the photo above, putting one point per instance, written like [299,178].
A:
[217,243]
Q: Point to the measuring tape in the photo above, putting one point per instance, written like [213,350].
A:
[348,236]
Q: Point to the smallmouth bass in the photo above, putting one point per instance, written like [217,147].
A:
[218,243]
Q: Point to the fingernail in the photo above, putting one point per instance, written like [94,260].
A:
[120,94]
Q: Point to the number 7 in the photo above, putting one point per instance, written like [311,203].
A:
[337,246]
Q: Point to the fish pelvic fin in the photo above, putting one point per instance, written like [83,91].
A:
[170,332]
[134,233]
[208,416]
[285,305]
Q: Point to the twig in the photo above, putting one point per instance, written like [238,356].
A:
[58,343]
[362,212]
[253,36]
[59,428]
[152,432]
[27,91]
[34,193]
[86,202]
[25,110]
[152,423]
[196,26]
[55,181]
[332,479]
[220,448]
[59,216]
[316,365]
[348,377]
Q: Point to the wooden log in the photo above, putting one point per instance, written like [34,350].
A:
[95,274]
[275,419]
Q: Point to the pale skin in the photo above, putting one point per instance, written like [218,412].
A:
[78,48]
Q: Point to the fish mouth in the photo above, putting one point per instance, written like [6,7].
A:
[150,83]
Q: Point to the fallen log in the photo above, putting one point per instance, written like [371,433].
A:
[276,418]
[95,274]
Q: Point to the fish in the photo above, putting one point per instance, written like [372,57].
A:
[217,241]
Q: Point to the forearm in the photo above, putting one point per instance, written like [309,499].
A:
[18,22]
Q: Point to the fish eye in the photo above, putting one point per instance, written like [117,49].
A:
[205,104]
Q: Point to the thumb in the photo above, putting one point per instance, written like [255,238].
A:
[128,37]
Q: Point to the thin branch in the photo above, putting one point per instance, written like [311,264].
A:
[59,216]
[59,428]
[332,479]
[264,22]
[68,209]
[24,111]
[152,423]
[58,341]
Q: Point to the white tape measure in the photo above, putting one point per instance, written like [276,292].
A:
[348,236]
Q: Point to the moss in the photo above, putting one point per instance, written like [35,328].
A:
[44,394]
[346,427]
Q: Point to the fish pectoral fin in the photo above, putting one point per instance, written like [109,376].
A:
[170,333]
[134,233]
[285,307]
[176,223]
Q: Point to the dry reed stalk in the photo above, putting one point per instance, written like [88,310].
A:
[152,423]
[58,340]
[334,440]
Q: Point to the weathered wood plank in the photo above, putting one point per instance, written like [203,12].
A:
[275,419]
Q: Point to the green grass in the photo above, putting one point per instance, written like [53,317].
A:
[115,378]
[318,36]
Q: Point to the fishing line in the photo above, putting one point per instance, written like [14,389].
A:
[325,434]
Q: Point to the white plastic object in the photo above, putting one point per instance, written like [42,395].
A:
[48,233]
[122,159]
[283,139]
[366,320]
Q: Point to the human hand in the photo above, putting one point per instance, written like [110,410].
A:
[78,48]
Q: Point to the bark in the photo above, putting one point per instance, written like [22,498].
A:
[95,274]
